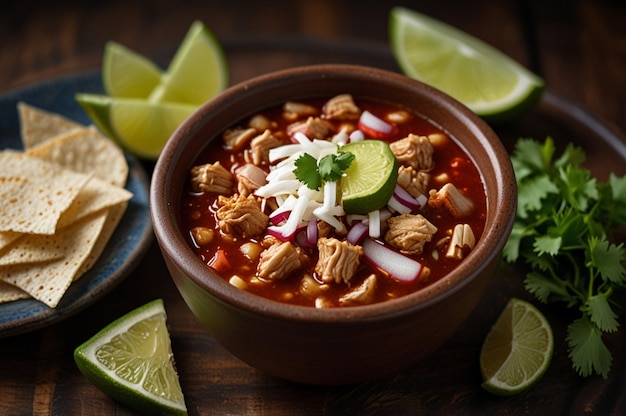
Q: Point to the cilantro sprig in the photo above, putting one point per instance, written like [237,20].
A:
[329,169]
[564,232]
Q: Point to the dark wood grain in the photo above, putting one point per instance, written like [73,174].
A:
[578,46]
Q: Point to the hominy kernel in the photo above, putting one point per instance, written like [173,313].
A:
[442,178]
[252,251]
[398,117]
[202,235]
[238,282]
[437,139]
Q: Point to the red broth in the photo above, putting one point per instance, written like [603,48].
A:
[223,253]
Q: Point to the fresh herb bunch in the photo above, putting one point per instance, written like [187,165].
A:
[563,232]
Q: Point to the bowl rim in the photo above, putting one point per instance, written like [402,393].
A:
[170,237]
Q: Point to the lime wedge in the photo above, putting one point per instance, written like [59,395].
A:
[197,72]
[126,74]
[370,180]
[487,81]
[517,350]
[131,360]
[139,126]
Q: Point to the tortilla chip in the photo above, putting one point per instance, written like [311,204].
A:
[48,281]
[95,196]
[7,238]
[35,193]
[38,125]
[10,293]
[31,248]
[113,219]
[86,150]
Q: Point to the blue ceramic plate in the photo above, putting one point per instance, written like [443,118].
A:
[130,240]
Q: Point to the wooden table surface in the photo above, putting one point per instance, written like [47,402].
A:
[579,47]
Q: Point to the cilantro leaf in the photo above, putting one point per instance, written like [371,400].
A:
[600,313]
[534,155]
[544,288]
[586,349]
[306,171]
[618,194]
[608,259]
[572,155]
[329,169]
[579,189]
[547,244]
[532,193]
[331,166]
[512,247]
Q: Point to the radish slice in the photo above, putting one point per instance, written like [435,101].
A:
[356,136]
[370,120]
[373,126]
[398,266]
[357,233]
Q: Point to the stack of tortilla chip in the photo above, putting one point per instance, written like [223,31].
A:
[60,201]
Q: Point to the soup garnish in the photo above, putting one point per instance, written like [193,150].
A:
[331,203]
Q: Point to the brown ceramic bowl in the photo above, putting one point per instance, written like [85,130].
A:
[337,345]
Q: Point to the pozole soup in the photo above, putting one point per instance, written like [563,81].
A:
[335,202]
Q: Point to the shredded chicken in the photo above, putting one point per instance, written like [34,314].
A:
[238,137]
[413,181]
[341,107]
[261,145]
[278,261]
[249,178]
[293,110]
[212,178]
[362,294]
[462,242]
[241,215]
[260,122]
[313,128]
[450,198]
[338,260]
[415,151]
[409,233]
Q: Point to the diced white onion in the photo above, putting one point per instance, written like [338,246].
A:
[374,224]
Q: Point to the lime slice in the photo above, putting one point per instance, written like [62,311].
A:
[126,74]
[370,180]
[490,83]
[139,126]
[197,72]
[131,360]
[517,350]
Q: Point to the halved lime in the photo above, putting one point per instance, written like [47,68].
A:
[126,74]
[197,72]
[487,81]
[370,180]
[131,360]
[517,350]
[139,126]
